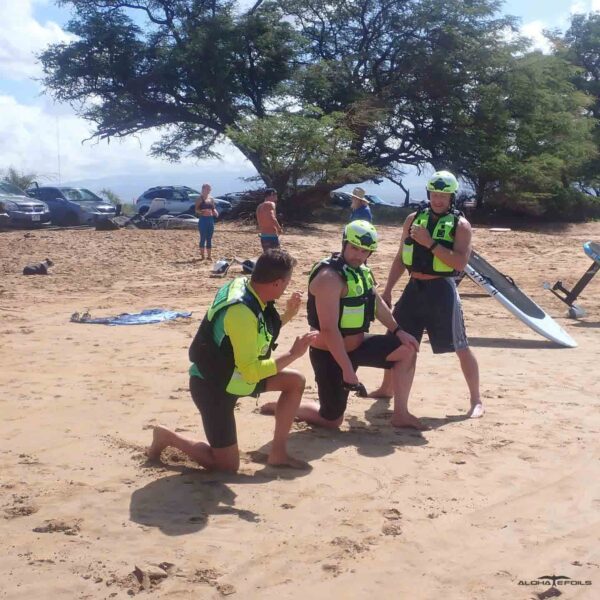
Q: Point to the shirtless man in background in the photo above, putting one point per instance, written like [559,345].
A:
[268,225]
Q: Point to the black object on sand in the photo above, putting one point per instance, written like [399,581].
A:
[40,268]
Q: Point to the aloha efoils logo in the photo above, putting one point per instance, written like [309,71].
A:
[555,582]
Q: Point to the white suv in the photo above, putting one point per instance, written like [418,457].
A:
[178,199]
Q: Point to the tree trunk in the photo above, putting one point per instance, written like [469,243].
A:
[480,193]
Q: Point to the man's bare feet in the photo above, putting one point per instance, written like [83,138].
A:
[408,420]
[268,408]
[287,462]
[381,393]
[160,440]
[476,411]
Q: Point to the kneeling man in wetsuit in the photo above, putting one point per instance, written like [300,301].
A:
[435,246]
[342,303]
[231,356]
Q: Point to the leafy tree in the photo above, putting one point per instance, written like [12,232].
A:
[196,68]
[525,136]
[580,45]
[410,66]
[201,71]
[302,150]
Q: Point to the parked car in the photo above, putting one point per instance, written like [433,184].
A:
[21,209]
[179,199]
[73,206]
[377,201]
[234,198]
[344,199]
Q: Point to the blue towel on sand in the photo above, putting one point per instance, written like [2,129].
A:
[151,315]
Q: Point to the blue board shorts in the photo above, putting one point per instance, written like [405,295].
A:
[268,241]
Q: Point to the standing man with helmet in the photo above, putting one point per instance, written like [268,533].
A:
[434,247]
[342,303]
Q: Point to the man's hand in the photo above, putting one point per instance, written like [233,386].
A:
[350,377]
[421,235]
[293,304]
[407,340]
[301,343]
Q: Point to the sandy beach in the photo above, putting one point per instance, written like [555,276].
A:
[469,510]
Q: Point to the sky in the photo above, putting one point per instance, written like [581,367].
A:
[42,137]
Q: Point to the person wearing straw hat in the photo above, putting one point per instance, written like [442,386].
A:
[360,206]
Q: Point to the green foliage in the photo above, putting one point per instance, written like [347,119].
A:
[111,196]
[302,149]
[21,179]
[581,47]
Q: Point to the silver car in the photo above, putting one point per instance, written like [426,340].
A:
[22,210]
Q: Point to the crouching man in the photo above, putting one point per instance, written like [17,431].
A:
[342,304]
[231,356]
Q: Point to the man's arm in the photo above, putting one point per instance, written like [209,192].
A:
[397,269]
[327,288]
[240,325]
[273,217]
[384,315]
[239,322]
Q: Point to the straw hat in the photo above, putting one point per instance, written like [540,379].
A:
[359,193]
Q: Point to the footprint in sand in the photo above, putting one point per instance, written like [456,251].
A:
[392,526]
[21,507]
[59,526]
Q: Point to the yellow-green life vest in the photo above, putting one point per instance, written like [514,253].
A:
[357,307]
[211,349]
[418,258]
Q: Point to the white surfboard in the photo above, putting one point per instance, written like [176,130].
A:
[505,291]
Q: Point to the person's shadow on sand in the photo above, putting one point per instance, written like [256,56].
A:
[380,413]
[371,437]
[182,504]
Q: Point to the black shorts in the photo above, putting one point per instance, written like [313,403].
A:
[333,398]
[216,409]
[433,305]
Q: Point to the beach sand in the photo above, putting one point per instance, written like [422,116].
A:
[465,511]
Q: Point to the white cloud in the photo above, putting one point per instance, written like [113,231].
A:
[34,140]
[22,38]
[580,6]
[35,132]
[534,31]
[584,6]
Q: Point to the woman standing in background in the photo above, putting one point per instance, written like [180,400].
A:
[206,213]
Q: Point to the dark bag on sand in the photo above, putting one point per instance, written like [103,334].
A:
[38,268]
[107,225]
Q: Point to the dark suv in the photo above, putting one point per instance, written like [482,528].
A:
[73,206]
[178,199]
